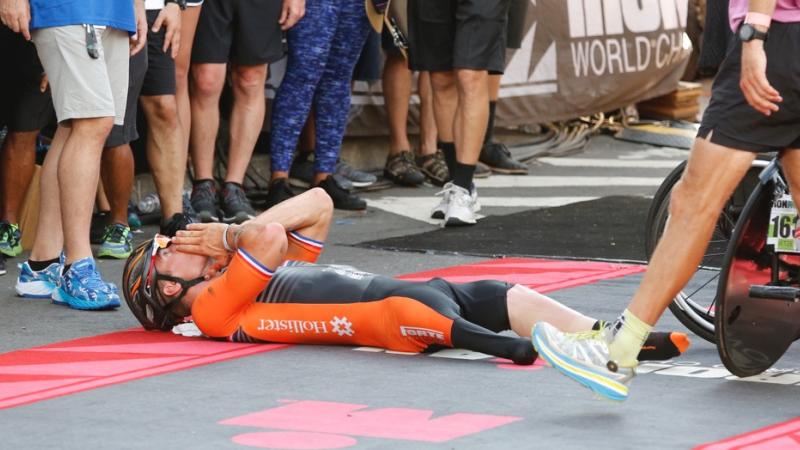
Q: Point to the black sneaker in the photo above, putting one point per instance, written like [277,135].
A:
[236,207]
[400,168]
[342,199]
[482,170]
[301,174]
[204,200]
[176,223]
[498,157]
[279,191]
[2,264]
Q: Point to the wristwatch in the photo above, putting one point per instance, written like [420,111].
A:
[181,3]
[748,32]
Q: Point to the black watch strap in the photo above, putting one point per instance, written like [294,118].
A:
[748,33]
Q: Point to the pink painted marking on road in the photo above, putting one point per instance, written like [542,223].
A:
[293,440]
[41,373]
[781,436]
[352,419]
[507,364]
[540,274]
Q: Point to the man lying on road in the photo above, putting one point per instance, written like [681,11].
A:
[258,282]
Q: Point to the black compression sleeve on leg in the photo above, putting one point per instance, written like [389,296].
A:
[490,126]
[449,152]
[469,336]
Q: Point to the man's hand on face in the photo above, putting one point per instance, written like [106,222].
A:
[16,15]
[170,17]
[203,239]
[291,13]
[139,39]
[754,84]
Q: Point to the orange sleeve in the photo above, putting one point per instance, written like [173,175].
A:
[217,309]
[302,248]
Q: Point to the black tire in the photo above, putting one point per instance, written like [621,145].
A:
[694,313]
[753,333]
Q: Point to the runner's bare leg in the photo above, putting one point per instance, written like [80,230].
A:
[711,175]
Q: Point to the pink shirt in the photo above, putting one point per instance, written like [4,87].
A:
[785,11]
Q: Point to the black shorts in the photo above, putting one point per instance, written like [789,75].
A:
[127,132]
[244,32]
[482,302]
[515,27]
[457,34]
[160,76]
[24,106]
[732,122]
[369,64]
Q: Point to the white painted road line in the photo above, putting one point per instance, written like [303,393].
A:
[419,208]
[525,181]
[619,163]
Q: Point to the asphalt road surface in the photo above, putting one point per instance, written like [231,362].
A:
[119,387]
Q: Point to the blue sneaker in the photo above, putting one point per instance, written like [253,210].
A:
[81,287]
[41,284]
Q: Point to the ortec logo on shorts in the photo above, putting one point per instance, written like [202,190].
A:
[422,333]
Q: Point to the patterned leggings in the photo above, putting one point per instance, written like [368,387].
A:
[323,49]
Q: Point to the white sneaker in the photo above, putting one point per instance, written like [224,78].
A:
[439,211]
[460,208]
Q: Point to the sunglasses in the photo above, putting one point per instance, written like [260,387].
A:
[152,277]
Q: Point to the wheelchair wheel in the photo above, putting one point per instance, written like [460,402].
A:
[753,333]
[694,305]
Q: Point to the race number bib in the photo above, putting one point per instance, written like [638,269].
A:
[782,224]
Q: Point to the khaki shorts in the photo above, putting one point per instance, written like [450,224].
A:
[84,87]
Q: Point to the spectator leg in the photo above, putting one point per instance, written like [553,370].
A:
[427,121]
[472,114]
[49,233]
[17,163]
[116,173]
[165,151]
[189,18]
[308,137]
[207,83]
[397,94]
[309,44]
[78,173]
[332,99]
[445,103]
[247,118]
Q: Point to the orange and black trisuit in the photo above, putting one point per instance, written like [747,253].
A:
[306,303]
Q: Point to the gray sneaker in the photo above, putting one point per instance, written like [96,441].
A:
[357,178]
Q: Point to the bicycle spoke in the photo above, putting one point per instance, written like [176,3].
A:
[704,285]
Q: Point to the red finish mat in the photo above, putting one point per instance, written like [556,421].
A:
[544,275]
[64,368]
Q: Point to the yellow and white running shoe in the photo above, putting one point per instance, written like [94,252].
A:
[584,357]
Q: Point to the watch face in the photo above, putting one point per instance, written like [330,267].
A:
[746,32]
